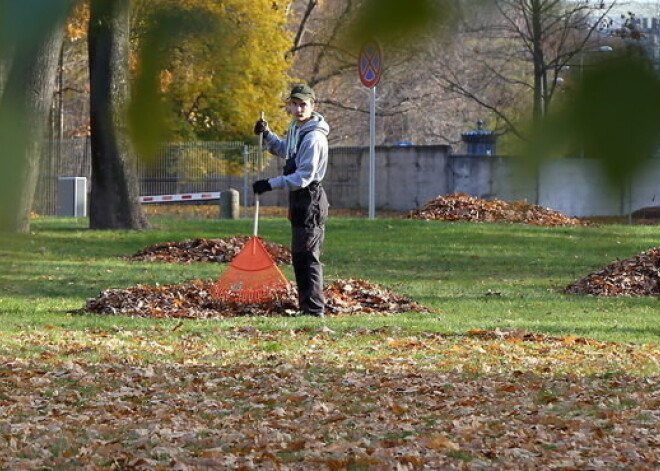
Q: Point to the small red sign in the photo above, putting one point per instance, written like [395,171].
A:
[370,64]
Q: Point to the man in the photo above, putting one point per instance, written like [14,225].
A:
[305,150]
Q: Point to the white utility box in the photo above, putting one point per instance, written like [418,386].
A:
[72,196]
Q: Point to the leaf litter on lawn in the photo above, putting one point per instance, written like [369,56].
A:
[192,299]
[498,400]
[392,399]
[306,412]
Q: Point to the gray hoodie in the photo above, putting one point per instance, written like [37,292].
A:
[310,153]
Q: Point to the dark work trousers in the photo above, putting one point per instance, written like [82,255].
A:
[308,210]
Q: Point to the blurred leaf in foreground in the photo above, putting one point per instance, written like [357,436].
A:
[612,115]
[394,20]
[617,111]
[167,25]
[30,39]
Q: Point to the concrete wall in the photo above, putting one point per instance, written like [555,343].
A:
[578,187]
[408,177]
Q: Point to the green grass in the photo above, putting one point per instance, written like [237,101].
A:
[473,276]
[418,384]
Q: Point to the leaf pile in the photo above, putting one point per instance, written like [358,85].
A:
[462,207]
[192,299]
[206,250]
[634,276]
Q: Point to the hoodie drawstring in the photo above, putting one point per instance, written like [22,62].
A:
[292,140]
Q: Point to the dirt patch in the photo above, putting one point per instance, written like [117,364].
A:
[634,276]
[192,299]
[462,207]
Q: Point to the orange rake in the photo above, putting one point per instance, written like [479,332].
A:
[252,277]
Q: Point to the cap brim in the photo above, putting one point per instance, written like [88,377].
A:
[302,96]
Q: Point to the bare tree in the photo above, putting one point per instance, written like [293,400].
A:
[513,55]
[506,58]
[114,193]
[412,105]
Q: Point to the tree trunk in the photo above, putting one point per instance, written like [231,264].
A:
[27,95]
[114,189]
[536,33]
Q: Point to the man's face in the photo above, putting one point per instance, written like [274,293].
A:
[301,110]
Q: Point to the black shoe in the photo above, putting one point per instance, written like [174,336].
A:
[303,313]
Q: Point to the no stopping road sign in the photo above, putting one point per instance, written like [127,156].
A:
[370,64]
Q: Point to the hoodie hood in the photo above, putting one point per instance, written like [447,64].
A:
[317,123]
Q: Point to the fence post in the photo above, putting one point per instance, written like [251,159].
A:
[229,204]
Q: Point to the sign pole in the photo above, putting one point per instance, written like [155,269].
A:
[372,152]
[370,64]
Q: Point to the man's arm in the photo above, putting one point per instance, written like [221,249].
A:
[275,145]
[307,165]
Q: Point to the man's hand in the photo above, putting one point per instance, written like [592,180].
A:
[261,186]
[261,127]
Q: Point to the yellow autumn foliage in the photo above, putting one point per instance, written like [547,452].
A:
[226,69]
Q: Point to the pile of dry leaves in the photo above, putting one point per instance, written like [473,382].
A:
[634,276]
[462,207]
[192,300]
[206,250]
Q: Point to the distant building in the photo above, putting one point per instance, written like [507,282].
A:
[639,21]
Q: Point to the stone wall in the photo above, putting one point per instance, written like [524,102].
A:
[407,177]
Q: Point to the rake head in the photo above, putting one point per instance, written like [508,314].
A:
[252,277]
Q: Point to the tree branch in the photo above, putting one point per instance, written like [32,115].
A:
[302,26]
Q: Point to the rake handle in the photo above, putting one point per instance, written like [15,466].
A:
[256,196]
[256,215]
[260,155]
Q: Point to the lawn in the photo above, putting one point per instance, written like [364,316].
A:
[504,372]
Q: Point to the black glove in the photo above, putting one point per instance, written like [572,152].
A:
[261,127]
[289,166]
[261,186]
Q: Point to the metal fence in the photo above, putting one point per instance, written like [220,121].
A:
[66,158]
[177,168]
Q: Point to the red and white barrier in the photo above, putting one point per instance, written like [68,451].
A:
[212,195]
